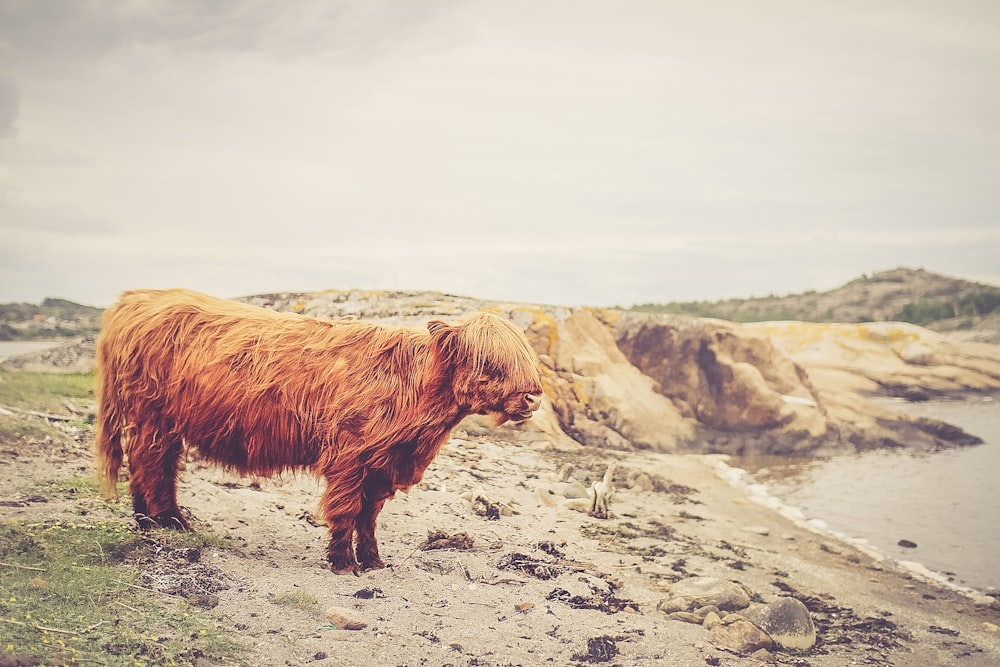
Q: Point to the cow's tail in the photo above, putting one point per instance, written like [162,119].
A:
[108,452]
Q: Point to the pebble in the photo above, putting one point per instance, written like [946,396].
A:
[575,490]
[990,627]
[757,530]
[711,620]
[343,619]
[685,616]
[741,636]
[697,592]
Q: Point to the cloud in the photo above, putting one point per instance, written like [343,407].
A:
[51,35]
[8,105]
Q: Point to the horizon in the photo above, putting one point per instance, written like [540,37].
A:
[623,306]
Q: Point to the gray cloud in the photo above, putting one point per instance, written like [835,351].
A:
[53,35]
[8,105]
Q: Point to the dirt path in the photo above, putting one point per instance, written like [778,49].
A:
[534,581]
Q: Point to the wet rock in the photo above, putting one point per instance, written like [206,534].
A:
[787,621]
[696,592]
[343,619]
[741,636]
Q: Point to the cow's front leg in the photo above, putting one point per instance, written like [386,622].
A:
[377,488]
[341,505]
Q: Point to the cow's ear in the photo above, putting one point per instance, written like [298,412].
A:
[445,338]
[436,326]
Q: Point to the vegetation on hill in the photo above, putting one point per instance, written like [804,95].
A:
[53,318]
[906,295]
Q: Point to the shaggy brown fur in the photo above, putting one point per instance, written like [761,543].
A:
[365,406]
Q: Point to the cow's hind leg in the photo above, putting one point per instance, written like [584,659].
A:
[153,465]
[375,491]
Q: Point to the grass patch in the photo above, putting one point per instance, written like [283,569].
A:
[297,600]
[68,596]
[17,429]
[45,392]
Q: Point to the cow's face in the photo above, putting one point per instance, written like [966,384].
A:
[494,369]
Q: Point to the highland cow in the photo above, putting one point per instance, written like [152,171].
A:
[365,406]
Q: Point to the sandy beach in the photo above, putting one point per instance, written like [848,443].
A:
[522,576]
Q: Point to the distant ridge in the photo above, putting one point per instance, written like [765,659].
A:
[901,294]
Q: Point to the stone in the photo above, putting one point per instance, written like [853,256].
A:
[641,482]
[575,490]
[686,617]
[711,620]
[741,636]
[696,592]
[343,619]
[786,621]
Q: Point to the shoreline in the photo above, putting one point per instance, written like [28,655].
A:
[759,493]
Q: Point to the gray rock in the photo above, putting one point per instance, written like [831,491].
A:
[344,619]
[696,592]
[741,636]
[787,621]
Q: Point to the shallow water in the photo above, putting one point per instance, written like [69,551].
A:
[947,502]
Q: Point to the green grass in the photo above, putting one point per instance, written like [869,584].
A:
[45,392]
[298,600]
[17,428]
[67,597]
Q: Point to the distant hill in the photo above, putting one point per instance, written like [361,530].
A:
[53,318]
[902,295]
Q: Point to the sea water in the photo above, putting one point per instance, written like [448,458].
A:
[947,502]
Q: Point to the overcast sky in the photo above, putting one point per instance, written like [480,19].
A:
[578,152]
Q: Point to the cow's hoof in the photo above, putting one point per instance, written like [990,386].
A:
[348,568]
[375,564]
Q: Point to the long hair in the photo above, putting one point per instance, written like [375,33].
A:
[259,391]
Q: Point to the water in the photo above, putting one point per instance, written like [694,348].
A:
[17,347]
[947,502]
